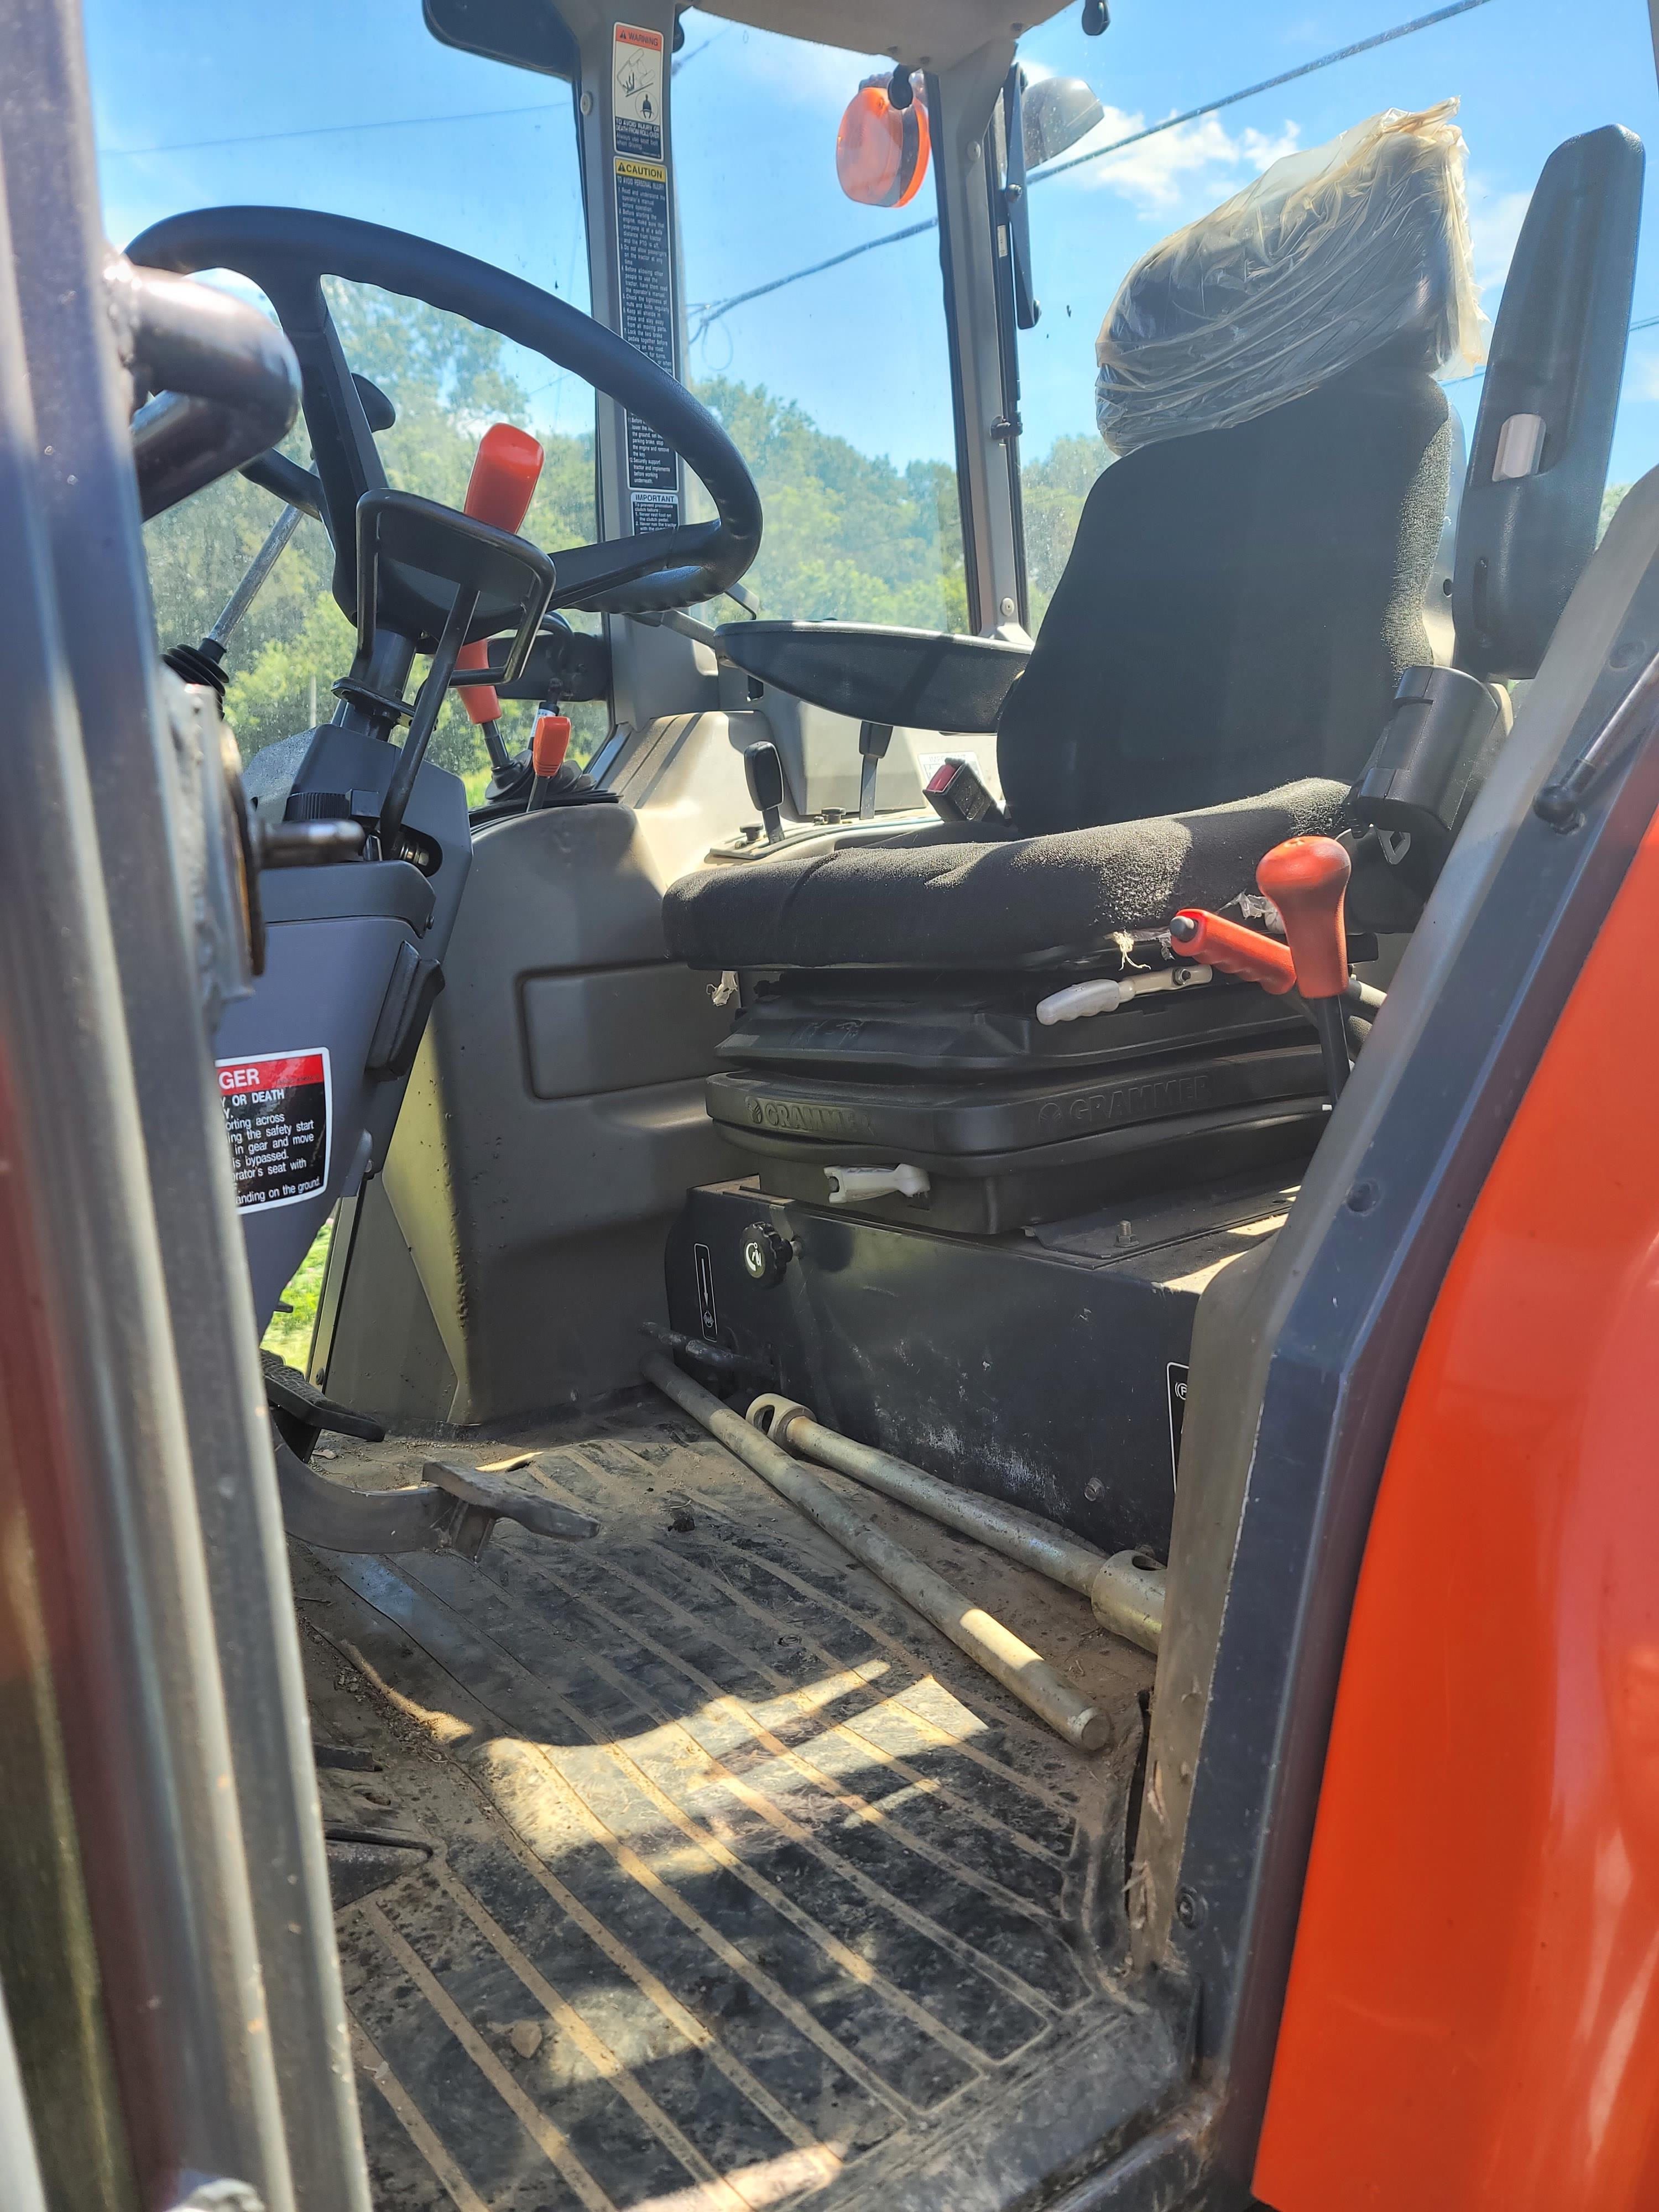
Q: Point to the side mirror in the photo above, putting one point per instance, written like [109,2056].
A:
[1054,113]
[528,35]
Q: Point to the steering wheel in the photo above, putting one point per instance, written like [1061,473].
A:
[288,252]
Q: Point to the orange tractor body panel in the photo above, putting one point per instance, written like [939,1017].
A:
[1472,2016]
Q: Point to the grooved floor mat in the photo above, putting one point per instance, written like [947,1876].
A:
[742,1888]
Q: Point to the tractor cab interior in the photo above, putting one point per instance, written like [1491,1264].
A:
[944,1010]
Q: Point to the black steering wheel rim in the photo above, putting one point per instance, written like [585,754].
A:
[288,252]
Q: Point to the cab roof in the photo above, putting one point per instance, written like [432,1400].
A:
[931,34]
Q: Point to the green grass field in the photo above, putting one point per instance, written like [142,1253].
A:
[289,1333]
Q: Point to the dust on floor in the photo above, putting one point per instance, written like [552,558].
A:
[742,1888]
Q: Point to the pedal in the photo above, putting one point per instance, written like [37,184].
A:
[288,1391]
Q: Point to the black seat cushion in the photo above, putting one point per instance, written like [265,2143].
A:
[951,897]
[1236,609]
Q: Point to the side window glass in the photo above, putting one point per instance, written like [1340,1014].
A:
[1152,164]
[828,363]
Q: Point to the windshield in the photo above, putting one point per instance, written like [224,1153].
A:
[357,111]
[835,388]
[1526,76]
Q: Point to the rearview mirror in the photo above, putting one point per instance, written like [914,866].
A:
[1054,113]
[528,35]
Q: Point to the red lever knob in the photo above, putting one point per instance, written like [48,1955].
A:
[505,471]
[1218,943]
[549,741]
[1307,879]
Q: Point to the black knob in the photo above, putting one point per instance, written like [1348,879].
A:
[766,1253]
[762,769]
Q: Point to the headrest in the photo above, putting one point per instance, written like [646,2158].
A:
[1327,258]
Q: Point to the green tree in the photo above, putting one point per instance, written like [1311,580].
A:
[447,380]
[848,534]
[1053,490]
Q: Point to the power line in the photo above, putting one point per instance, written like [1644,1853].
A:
[389,123]
[691,53]
[712,314]
[1268,84]
[321,130]
[711,311]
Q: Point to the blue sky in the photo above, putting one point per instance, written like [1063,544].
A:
[861,349]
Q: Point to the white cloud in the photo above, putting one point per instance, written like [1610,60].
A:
[1495,220]
[1201,161]
[1642,378]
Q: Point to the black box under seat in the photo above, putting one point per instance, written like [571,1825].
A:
[1047,1367]
[942,1027]
[1010,1121]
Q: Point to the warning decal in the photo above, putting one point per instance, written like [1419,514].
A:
[276,1116]
[636,91]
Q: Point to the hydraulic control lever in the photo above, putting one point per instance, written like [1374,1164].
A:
[506,470]
[549,741]
[762,771]
[1307,879]
[874,738]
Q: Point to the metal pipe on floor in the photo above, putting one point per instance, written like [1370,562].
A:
[1125,1591]
[985,1640]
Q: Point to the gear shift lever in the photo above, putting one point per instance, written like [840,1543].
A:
[1307,879]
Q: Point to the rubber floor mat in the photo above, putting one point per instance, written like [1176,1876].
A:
[745,1888]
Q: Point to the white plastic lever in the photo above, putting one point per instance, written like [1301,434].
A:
[1107,993]
[858,1186]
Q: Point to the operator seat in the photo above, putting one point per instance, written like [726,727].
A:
[1217,660]
[1216,664]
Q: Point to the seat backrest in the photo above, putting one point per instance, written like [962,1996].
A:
[1247,582]
[1236,609]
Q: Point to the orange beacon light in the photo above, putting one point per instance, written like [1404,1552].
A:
[882,150]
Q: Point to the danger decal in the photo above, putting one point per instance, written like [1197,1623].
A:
[277,1117]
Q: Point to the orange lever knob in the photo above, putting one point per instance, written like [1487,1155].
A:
[1201,935]
[550,742]
[1307,879]
[505,471]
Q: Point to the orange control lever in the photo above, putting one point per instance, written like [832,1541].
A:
[1201,935]
[505,471]
[549,741]
[1307,879]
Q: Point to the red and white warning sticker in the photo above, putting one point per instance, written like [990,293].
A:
[277,1116]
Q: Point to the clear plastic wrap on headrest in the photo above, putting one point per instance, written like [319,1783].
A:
[1327,257]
